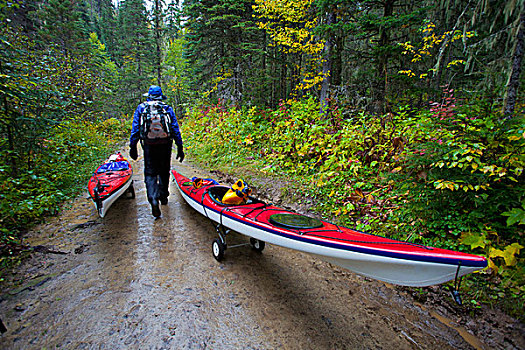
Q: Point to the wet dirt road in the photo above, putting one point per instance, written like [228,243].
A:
[128,281]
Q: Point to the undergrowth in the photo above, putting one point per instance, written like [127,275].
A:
[55,168]
[450,176]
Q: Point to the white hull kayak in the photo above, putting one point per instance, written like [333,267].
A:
[395,262]
[398,271]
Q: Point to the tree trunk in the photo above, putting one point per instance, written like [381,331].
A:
[384,40]
[282,78]
[263,74]
[440,63]
[337,64]
[158,57]
[273,77]
[327,63]
[514,77]
[10,139]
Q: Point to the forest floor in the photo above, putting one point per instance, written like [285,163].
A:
[128,281]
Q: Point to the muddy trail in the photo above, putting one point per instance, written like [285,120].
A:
[128,281]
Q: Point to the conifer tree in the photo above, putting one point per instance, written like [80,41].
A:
[108,27]
[223,45]
[136,52]
[173,21]
[64,24]
[158,17]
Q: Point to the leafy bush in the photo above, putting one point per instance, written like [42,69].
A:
[463,188]
[70,152]
[461,178]
[450,176]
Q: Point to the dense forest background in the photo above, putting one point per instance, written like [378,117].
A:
[367,55]
[402,116]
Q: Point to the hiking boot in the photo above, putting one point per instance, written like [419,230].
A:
[164,201]
[155,210]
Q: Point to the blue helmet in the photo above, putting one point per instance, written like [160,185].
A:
[155,93]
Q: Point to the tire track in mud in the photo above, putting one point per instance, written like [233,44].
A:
[129,281]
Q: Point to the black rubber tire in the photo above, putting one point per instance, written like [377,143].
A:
[217,249]
[257,245]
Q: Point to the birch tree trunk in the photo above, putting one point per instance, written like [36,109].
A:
[514,76]
[327,63]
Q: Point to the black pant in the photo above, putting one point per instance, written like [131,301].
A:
[157,164]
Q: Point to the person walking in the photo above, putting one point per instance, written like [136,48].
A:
[155,126]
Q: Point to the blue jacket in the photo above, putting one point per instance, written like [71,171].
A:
[174,126]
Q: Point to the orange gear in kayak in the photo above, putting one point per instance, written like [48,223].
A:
[237,194]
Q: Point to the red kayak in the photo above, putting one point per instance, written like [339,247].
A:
[110,181]
[385,259]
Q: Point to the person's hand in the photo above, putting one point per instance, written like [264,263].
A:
[180,154]
[133,152]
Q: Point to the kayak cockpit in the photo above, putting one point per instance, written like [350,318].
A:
[216,193]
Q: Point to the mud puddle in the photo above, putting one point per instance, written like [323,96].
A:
[128,281]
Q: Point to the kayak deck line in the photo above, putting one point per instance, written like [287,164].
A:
[109,179]
[314,232]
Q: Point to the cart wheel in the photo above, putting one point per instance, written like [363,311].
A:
[256,244]
[218,249]
[131,191]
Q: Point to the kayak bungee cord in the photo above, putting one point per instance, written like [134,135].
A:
[314,231]
[370,242]
[222,235]
[104,184]
[108,177]
[264,205]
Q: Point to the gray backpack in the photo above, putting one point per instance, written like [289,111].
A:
[155,121]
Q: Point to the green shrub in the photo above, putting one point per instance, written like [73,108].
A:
[59,168]
[450,176]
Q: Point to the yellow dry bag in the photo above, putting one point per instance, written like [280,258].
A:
[237,194]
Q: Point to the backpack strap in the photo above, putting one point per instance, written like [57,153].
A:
[143,121]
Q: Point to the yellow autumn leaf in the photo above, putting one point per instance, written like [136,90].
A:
[496,253]
[492,266]
[474,240]
[510,252]
[396,170]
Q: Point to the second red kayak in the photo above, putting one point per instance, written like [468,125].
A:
[110,181]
